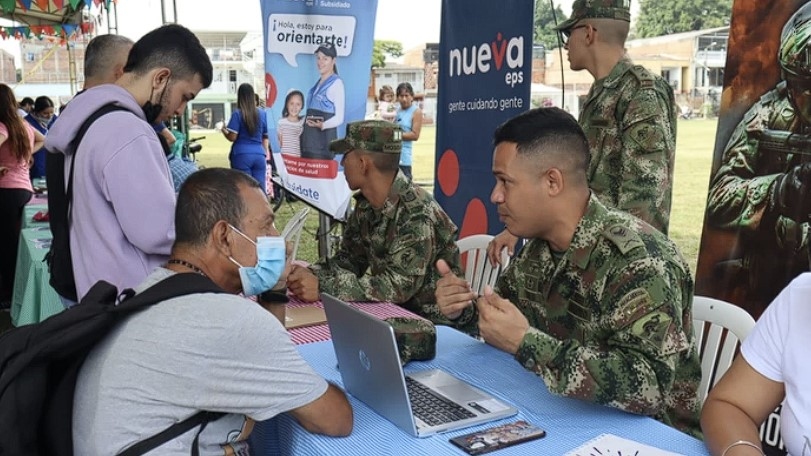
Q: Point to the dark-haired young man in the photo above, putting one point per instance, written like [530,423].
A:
[598,303]
[123,198]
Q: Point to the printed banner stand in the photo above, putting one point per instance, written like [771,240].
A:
[485,69]
[317,60]
[755,241]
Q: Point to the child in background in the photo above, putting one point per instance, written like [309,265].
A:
[291,124]
[385,104]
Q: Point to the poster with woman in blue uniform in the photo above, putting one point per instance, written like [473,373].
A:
[309,101]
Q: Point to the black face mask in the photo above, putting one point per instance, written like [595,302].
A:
[151,110]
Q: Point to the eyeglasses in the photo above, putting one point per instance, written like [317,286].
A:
[565,34]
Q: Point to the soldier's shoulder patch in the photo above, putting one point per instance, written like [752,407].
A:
[623,237]
[645,77]
[653,328]
[409,196]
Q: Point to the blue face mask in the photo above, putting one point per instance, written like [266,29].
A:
[270,263]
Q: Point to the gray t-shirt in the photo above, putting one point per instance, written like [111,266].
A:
[215,352]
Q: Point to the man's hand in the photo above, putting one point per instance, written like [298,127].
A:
[452,294]
[501,324]
[501,241]
[303,284]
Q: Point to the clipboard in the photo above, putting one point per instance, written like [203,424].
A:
[297,317]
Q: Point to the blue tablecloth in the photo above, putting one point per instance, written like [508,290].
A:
[568,422]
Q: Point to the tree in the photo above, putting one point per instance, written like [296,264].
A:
[382,48]
[544,25]
[658,18]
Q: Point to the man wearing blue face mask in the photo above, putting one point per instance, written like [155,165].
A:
[123,200]
[207,351]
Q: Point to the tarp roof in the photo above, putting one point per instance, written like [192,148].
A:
[45,17]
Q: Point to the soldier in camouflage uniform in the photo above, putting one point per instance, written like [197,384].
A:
[393,237]
[629,117]
[598,303]
[764,190]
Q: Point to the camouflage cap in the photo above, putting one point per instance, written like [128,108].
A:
[370,135]
[416,338]
[598,9]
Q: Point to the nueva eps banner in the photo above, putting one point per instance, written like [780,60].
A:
[756,230]
[485,66]
[318,54]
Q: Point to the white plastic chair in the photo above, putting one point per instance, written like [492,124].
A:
[292,231]
[720,327]
[478,270]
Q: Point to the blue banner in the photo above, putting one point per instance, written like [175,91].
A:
[485,71]
[309,101]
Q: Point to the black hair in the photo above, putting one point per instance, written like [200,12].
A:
[26,101]
[405,86]
[290,95]
[387,163]
[547,132]
[206,197]
[43,103]
[246,101]
[171,46]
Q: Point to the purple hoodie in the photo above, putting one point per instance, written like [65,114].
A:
[122,216]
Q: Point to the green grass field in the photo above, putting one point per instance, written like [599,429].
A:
[693,160]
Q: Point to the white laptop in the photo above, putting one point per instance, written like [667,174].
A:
[421,403]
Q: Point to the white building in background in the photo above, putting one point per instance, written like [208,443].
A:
[394,74]
[237,58]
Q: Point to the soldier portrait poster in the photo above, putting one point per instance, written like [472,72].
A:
[485,66]
[756,228]
[317,59]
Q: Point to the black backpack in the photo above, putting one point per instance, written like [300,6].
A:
[39,365]
[60,196]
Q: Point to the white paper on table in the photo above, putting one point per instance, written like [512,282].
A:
[612,445]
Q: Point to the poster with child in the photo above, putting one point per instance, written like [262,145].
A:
[317,60]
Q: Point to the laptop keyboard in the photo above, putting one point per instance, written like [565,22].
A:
[432,408]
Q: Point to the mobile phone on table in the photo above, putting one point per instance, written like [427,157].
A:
[497,437]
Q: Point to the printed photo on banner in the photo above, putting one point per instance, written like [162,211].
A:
[756,234]
[756,231]
[317,61]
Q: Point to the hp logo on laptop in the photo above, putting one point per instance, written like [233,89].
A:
[364,360]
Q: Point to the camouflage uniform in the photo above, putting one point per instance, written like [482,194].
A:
[775,248]
[389,254]
[629,118]
[611,318]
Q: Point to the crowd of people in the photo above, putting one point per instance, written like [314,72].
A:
[597,304]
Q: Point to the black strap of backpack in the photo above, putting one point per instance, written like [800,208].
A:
[200,419]
[171,287]
[179,284]
[74,145]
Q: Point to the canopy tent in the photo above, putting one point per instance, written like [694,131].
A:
[61,19]
[46,17]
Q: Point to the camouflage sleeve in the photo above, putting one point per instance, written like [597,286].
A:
[648,152]
[738,196]
[409,257]
[634,367]
[350,256]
